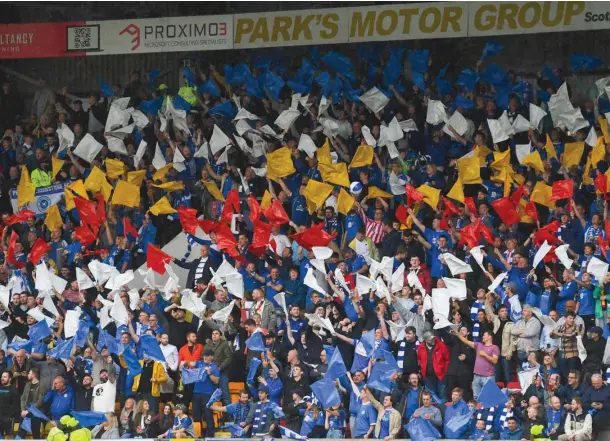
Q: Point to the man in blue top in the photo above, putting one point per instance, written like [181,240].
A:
[513,432]
[203,390]
[585,303]
[239,410]
[567,291]
[367,417]
[456,409]
[60,400]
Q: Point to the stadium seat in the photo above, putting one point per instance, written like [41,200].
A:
[236,387]
[514,385]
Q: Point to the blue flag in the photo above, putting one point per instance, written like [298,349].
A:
[89,418]
[272,83]
[254,365]
[189,76]
[382,372]
[106,89]
[181,104]
[285,432]
[307,71]
[236,430]
[36,412]
[26,424]
[421,429]
[81,334]
[467,79]
[151,106]
[133,365]
[253,88]
[39,331]
[543,95]
[210,87]
[338,62]
[419,81]
[584,63]
[336,366]
[277,410]
[63,350]
[492,48]
[392,70]
[215,397]
[298,87]
[368,341]
[326,393]
[547,73]
[107,340]
[463,102]
[419,60]
[491,395]
[149,346]
[152,78]
[256,343]
[236,74]
[493,74]
[21,344]
[190,376]
[457,427]
[223,109]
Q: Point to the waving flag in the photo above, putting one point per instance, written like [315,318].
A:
[336,366]
[255,342]
[36,412]
[254,365]
[382,372]
[326,392]
[89,418]
[215,397]
[149,346]
[190,376]
[39,331]
[285,432]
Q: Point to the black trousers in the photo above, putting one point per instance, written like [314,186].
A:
[462,381]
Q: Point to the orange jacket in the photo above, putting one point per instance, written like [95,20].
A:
[186,355]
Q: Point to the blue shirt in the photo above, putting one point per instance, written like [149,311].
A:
[412,402]
[336,422]
[300,215]
[351,224]
[309,422]
[206,387]
[367,416]
[239,411]
[567,292]
[270,293]
[385,424]
[586,301]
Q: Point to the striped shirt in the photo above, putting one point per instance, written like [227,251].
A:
[568,347]
[373,229]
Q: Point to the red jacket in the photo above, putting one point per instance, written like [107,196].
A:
[440,359]
[424,277]
[185,354]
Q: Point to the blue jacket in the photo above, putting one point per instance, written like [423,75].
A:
[511,435]
[60,404]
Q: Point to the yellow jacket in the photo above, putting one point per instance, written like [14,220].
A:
[158,373]
[41,178]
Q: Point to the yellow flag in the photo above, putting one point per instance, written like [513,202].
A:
[524,218]
[362,157]
[505,178]
[550,148]
[334,173]
[162,207]
[53,218]
[481,152]
[541,194]
[279,164]
[311,206]
[323,154]
[603,125]
[25,189]
[431,195]
[345,202]
[501,160]
[171,185]
[160,174]
[107,190]
[114,168]
[317,192]
[375,192]
[56,165]
[409,224]
[457,191]
[136,177]
[214,191]
[78,188]
[469,170]
[572,153]
[598,153]
[95,180]
[266,201]
[534,160]
[126,194]
[586,178]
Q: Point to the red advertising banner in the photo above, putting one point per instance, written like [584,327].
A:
[36,40]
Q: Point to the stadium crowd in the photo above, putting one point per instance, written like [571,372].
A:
[373,245]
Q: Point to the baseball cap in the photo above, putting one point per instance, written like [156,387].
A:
[208,352]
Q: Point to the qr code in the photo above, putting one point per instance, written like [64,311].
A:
[82,38]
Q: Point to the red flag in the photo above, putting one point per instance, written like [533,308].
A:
[313,237]
[472,208]
[101,208]
[232,252]
[86,211]
[532,211]
[547,233]
[450,207]
[255,208]
[10,255]
[276,214]
[550,256]
[85,235]
[262,232]
[273,245]
[607,225]
[188,219]
[38,249]
[156,259]
[469,236]
[206,225]
[444,224]
[401,214]
[518,194]
[601,183]
[506,210]
[22,216]
[603,245]
[413,195]
[128,228]
[231,206]
[484,230]
[224,237]
[563,189]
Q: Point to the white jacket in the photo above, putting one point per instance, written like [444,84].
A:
[580,426]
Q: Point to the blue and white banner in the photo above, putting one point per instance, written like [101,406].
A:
[43,198]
